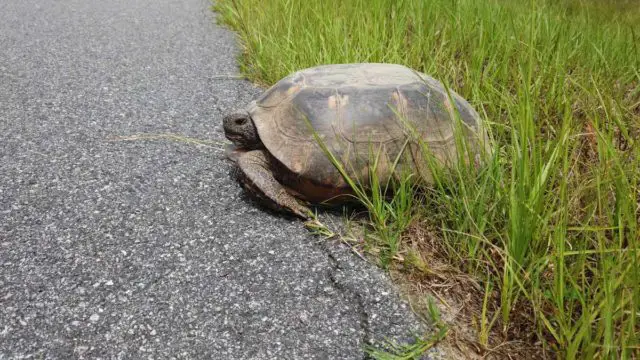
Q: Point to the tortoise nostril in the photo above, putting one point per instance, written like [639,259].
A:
[240,121]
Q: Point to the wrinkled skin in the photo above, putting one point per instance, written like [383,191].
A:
[257,165]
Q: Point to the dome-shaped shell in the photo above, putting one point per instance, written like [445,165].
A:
[358,110]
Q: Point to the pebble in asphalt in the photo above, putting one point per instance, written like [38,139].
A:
[148,247]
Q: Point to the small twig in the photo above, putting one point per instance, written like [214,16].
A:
[167,136]
[227,77]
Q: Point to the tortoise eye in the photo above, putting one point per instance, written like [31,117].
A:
[241,121]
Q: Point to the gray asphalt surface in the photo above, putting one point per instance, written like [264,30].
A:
[114,248]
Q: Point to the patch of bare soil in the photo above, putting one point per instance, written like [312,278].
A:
[422,272]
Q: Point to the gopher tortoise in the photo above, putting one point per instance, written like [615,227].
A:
[357,112]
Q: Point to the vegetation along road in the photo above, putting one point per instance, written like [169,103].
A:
[536,253]
[123,233]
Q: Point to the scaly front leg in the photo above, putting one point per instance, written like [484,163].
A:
[257,170]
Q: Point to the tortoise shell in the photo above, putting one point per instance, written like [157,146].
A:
[360,112]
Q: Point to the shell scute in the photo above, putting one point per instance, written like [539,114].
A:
[281,91]
[357,110]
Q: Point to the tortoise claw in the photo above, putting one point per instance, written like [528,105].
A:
[302,211]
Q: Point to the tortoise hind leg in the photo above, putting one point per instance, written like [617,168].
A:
[256,168]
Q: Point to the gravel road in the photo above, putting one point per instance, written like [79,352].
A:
[122,239]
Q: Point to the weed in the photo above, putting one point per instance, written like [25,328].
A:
[549,225]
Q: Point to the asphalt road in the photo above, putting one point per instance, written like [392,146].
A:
[119,243]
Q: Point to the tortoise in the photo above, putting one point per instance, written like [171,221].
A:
[281,140]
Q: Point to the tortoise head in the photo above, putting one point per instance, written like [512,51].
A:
[240,129]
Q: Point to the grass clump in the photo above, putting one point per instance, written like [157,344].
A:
[549,226]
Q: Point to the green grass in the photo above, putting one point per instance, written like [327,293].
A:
[550,225]
[394,351]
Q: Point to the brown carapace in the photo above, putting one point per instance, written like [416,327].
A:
[363,114]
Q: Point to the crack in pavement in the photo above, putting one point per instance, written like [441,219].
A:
[355,295]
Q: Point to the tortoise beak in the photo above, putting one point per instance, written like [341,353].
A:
[234,138]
